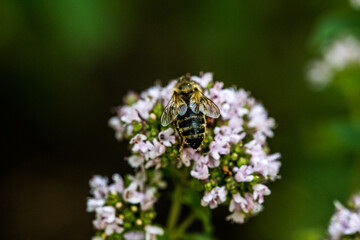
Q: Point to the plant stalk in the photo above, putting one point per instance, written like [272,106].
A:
[175,208]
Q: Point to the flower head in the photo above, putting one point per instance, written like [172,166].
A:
[345,222]
[232,166]
[341,53]
[122,205]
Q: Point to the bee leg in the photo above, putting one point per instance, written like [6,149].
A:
[181,145]
[198,149]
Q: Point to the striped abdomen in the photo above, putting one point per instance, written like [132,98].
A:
[191,127]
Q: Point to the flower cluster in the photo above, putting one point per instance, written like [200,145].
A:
[345,223]
[124,210]
[355,4]
[234,163]
[340,54]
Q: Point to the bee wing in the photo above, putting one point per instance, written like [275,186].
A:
[200,103]
[174,108]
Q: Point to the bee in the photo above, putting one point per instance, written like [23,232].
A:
[187,109]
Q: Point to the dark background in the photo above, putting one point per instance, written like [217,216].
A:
[65,64]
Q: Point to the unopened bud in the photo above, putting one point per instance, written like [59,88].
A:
[134,208]
[138,222]
[152,117]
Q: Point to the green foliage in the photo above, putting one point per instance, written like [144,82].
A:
[198,236]
[192,199]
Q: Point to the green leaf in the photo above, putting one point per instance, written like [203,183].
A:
[192,199]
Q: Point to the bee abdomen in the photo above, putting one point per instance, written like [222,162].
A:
[192,127]
[192,130]
[193,119]
[194,141]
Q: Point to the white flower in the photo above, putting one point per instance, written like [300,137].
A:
[118,185]
[266,165]
[131,195]
[342,52]
[244,173]
[99,186]
[153,93]
[106,213]
[260,190]
[218,147]
[93,204]
[166,137]
[216,196]
[344,222]
[187,155]
[319,74]
[98,223]
[167,92]
[149,199]
[143,107]
[118,127]
[204,80]
[152,232]
[139,143]
[155,149]
[260,121]
[134,235]
[237,203]
[228,134]
[128,114]
[98,182]
[251,205]
[135,160]
[114,227]
[237,217]
[201,169]
[153,162]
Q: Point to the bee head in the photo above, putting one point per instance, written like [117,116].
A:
[185,83]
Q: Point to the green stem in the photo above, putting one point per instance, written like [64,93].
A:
[175,208]
[184,225]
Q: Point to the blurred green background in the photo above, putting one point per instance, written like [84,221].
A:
[65,64]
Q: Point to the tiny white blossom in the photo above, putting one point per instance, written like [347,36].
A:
[131,195]
[134,235]
[166,137]
[93,204]
[135,160]
[107,213]
[152,232]
[118,127]
[139,143]
[244,173]
[216,196]
[204,80]
[118,185]
[237,217]
[201,169]
[344,222]
[260,190]
[149,199]
[114,227]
